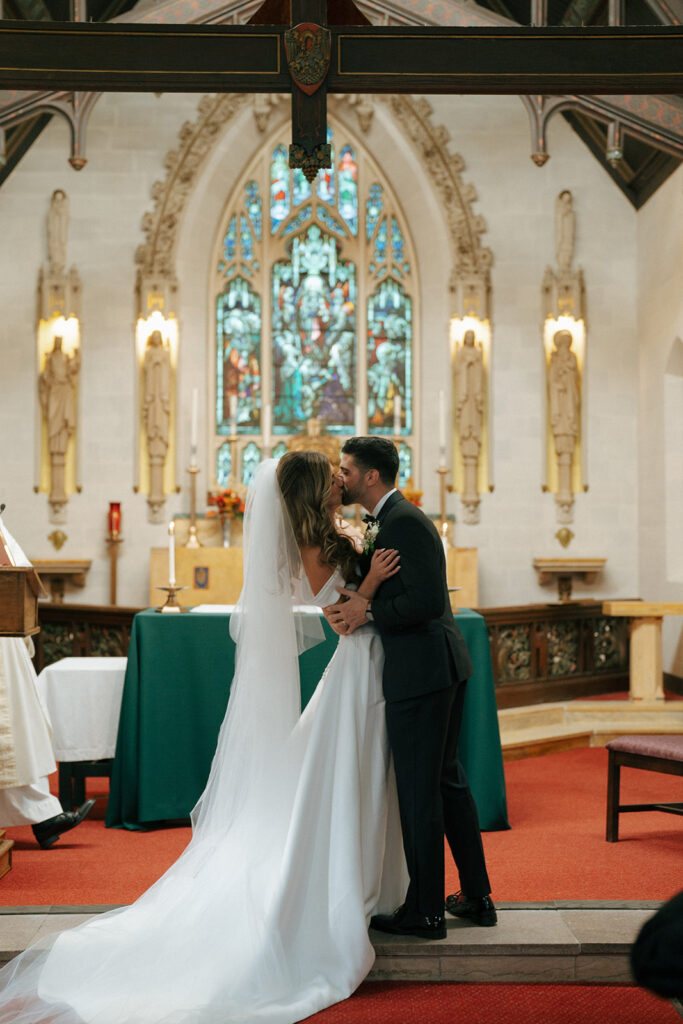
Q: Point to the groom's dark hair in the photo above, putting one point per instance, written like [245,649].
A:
[374,453]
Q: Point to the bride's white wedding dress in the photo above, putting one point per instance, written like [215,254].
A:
[296,843]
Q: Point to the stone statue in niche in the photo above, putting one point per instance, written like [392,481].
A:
[564,411]
[156,414]
[57,229]
[57,390]
[564,231]
[469,417]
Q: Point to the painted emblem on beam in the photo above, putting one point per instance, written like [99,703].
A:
[308,55]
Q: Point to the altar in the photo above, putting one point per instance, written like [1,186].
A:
[213,575]
[174,699]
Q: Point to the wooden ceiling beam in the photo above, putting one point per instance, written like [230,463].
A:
[364,59]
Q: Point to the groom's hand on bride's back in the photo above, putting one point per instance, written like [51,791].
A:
[349,613]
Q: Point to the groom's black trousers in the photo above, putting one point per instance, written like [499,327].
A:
[434,797]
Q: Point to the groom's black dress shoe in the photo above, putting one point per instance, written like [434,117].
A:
[479,909]
[49,831]
[406,922]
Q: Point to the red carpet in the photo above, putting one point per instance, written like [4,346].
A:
[404,1002]
[414,1003]
[555,849]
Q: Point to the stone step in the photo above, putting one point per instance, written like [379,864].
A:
[543,739]
[561,941]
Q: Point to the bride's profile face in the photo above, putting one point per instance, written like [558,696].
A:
[336,490]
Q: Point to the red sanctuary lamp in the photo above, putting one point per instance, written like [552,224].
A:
[113,540]
[114,518]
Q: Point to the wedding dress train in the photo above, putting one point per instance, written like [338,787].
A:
[296,843]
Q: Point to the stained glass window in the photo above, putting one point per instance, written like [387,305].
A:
[223,465]
[348,188]
[253,203]
[251,457]
[389,353]
[318,350]
[405,464]
[313,319]
[373,209]
[279,450]
[279,188]
[238,351]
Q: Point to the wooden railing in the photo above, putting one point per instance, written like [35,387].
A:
[539,652]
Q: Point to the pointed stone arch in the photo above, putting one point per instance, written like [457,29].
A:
[161,225]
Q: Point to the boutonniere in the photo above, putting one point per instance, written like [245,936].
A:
[370,535]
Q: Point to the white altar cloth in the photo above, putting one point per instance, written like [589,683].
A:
[83,698]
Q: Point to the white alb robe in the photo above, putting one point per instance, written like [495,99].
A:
[26,755]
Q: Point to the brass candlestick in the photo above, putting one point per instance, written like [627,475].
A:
[113,540]
[193,540]
[171,604]
[443,487]
[232,441]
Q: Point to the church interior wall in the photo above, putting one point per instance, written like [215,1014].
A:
[127,141]
[660,332]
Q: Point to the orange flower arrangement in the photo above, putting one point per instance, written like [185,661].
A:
[411,494]
[226,502]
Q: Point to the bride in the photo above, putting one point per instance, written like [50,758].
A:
[296,839]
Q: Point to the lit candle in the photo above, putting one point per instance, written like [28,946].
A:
[114,518]
[171,554]
[358,420]
[397,415]
[193,427]
[442,430]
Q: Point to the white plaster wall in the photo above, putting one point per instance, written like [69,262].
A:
[127,142]
[660,323]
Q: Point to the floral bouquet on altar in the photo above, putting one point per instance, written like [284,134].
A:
[411,494]
[226,503]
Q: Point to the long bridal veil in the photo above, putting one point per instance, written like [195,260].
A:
[186,950]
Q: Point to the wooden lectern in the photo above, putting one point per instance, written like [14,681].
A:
[20,588]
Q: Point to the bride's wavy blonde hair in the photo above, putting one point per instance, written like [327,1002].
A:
[305,479]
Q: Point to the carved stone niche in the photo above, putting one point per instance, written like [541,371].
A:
[59,363]
[563,307]
[156,350]
[471,343]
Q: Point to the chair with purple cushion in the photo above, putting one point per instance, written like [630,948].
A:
[658,753]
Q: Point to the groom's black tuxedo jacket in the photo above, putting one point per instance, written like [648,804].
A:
[423,648]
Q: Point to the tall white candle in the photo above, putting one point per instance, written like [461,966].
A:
[171,554]
[358,419]
[232,399]
[193,427]
[442,430]
[266,424]
[397,415]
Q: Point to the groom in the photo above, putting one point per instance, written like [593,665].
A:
[426,667]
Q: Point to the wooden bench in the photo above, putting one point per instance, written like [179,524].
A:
[658,753]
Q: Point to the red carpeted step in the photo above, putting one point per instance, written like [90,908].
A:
[431,1003]
[555,850]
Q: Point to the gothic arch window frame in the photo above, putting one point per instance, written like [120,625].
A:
[257,276]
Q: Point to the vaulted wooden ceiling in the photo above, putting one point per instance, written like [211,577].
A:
[637,140]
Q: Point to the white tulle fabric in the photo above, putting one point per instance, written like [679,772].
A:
[296,839]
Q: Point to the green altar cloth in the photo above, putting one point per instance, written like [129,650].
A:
[176,692]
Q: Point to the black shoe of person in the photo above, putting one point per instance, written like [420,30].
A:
[406,922]
[479,909]
[49,831]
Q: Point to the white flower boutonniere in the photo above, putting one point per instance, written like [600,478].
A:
[369,537]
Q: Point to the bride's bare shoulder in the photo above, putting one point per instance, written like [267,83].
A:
[317,571]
